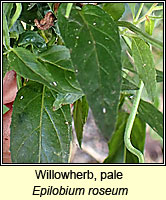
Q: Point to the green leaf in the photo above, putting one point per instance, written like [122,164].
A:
[64,99]
[5,109]
[7,7]
[6,66]
[39,135]
[116,143]
[85,109]
[116,10]
[149,26]
[93,39]
[138,135]
[16,30]
[127,85]
[152,116]
[6,38]
[126,63]
[27,65]
[159,77]
[80,114]
[144,63]
[33,38]
[59,56]
[16,14]
[141,34]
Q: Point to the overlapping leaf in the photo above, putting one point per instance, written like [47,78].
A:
[64,99]
[127,85]
[80,114]
[144,63]
[31,37]
[16,15]
[152,116]
[38,134]
[116,144]
[58,56]
[7,8]
[93,40]
[32,67]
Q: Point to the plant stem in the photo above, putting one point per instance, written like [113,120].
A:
[153,7]
[136,30]
[129,125]
[139,12]
[68,9]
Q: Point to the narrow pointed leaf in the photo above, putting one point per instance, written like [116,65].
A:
[93,39]
[80,114]
[38,134]
[6,38]
[152,116]
[144,63]
[16,14]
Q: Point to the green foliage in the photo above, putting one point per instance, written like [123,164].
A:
[151,116]
[144,63]
[6,66]
[149,26]
[6,39]
[88,58]
[80,115]
[39,134]
[116,10]
[92,43]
